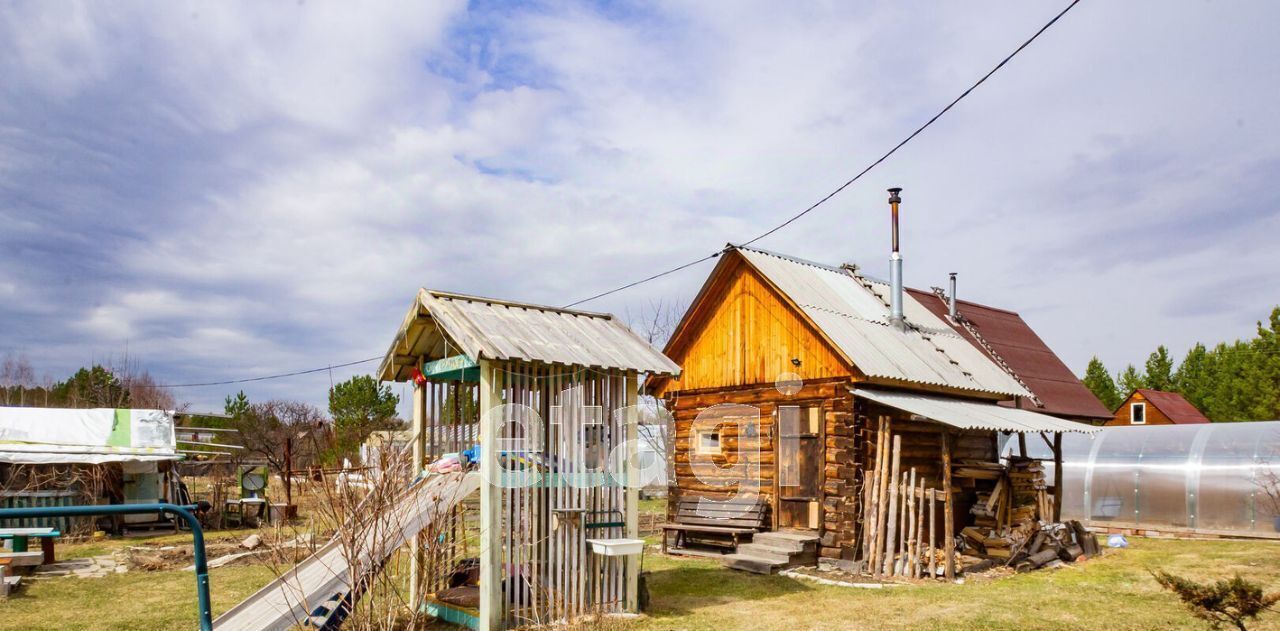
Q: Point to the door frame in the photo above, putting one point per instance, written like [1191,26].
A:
[821,405]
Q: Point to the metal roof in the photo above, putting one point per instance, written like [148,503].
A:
[441,324]
[972,414]
[852,311]
[1179,410]
[1022,349]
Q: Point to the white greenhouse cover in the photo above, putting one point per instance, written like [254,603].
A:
[973,415]
[90,436]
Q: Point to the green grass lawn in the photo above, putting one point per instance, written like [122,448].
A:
[1113,592]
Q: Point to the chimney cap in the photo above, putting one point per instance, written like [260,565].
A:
[893,195]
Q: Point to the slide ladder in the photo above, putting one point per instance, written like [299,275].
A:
[318,592]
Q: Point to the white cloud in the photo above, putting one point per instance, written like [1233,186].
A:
[263,187]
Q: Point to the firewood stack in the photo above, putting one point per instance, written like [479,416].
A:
[1010,520]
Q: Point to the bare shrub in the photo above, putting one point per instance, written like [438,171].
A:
[1227,601]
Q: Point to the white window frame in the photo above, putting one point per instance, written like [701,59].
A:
[1135,406]
[702,434]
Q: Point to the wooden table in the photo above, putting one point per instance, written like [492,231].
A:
[21,539]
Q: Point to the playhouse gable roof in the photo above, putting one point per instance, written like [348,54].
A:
[442,324]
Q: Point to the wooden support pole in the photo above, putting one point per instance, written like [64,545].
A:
[869,487]
[909,552]
[918,557]
[491,602]
[1057,477]
[871,511]
[1022,444]
[868,516]
[933,533]
[417,551]
[882,511]
[632,386]
[892,520]
[948,515]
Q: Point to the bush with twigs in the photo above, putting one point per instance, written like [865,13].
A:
[1227,601]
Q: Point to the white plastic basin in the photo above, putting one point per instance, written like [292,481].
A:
[616,547]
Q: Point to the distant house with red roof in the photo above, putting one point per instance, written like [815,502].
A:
[1008,340]
[1157,407]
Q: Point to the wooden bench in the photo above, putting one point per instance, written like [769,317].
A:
[731,518]
[21,536]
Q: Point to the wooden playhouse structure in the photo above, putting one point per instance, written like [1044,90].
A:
[798,382]
[547,396]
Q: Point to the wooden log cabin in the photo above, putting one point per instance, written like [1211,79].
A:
[792,374]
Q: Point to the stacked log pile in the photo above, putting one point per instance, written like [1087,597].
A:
[1010,520]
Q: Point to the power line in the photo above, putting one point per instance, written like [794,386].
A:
[861,173]
[643,280]
[268,377]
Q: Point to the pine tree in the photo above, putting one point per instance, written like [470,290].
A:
[1100,383]
[236,407]
[359,406]
[1194,377]
[1262,371]
[1159,375]
[1129,380]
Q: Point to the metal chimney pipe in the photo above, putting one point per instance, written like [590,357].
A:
[895,266]
[953,297]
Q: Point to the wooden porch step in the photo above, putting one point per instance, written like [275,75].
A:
[762,551]
[769,552]
[750,563]
[793,541]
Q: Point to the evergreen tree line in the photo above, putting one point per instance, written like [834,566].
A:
[1237,381]
[110,385]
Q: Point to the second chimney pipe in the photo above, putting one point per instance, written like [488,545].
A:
[953,297]
[895,266]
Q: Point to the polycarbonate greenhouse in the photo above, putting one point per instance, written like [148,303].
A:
[1218,478]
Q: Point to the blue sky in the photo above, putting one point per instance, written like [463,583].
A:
[232,190]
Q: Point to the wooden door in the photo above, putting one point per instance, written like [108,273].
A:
[799,460]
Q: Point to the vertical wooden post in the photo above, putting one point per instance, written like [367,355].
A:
[1057,477]
[948,516]
[1022,444]
[896,488]
[909,527]
[417,554]
[918,557]
[933,533]
[632,385]
[882,479]
[491,613]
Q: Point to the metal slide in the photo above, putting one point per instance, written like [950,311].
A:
[318,593]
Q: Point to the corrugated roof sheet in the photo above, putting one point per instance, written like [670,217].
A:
[1174,405]
[973,415]
[851,310]
[441,324]
[1018,345]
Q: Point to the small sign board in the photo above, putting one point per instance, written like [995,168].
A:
[455,368]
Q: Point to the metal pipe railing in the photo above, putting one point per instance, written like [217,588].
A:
[185,512]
